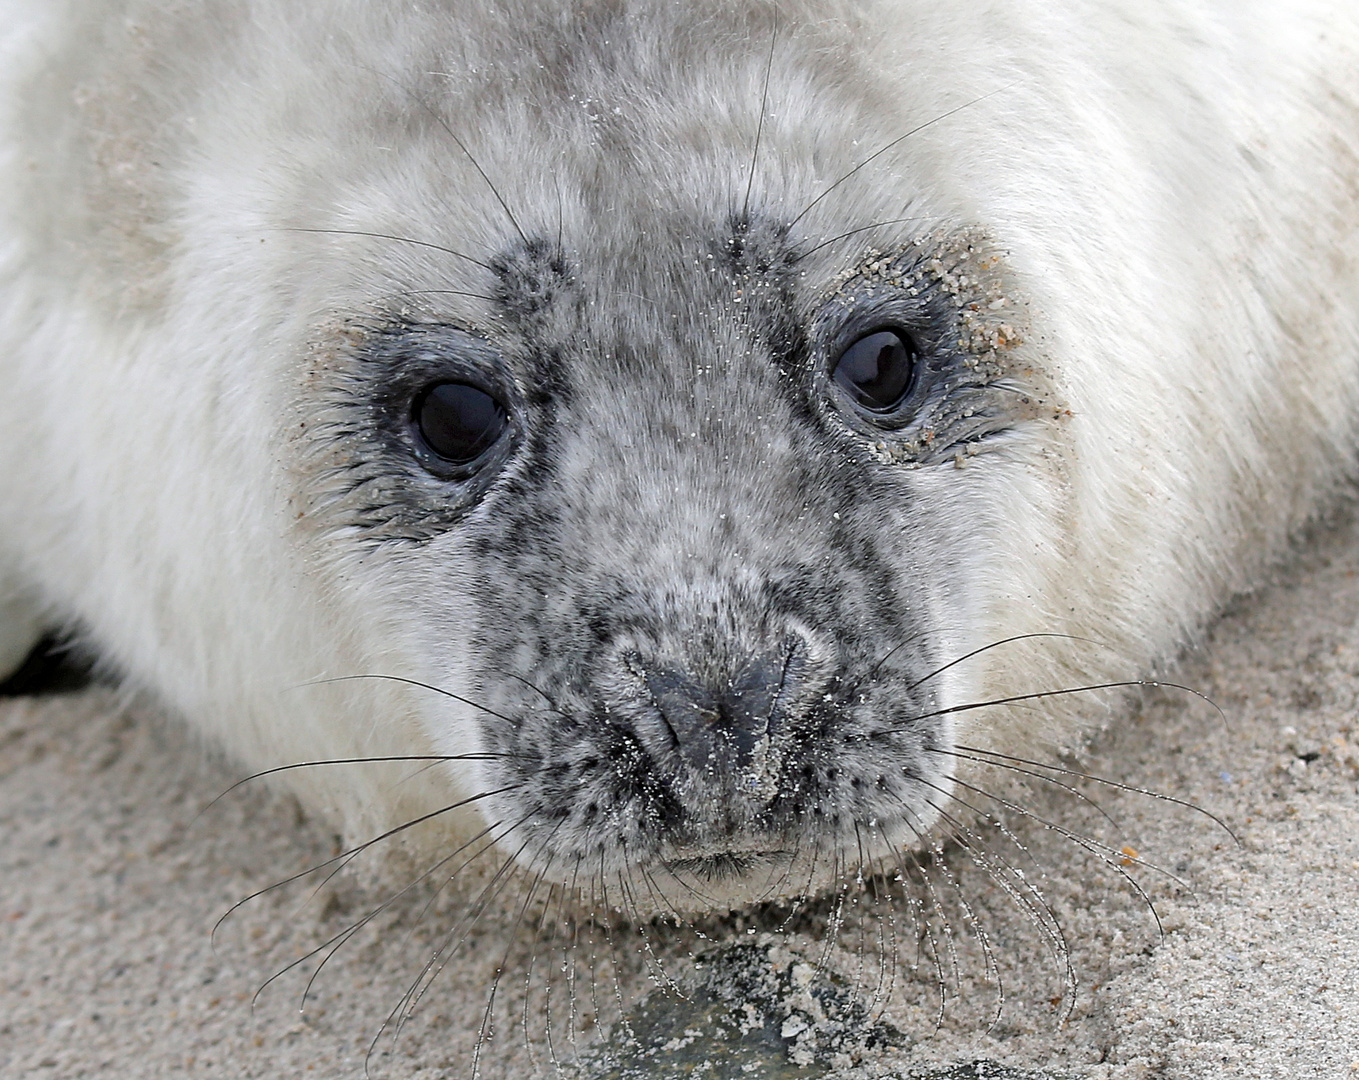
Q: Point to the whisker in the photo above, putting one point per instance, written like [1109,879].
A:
[338,940]
[1121,684]
[655,966]
[852,232]
[1110,783]
[404,1009]
[1105,854]
[913,638]
[355,850]
[395,238]
[537,690]
[440,292]
[995,644]
[448,130]
[895,142]
[422,686]
[607,926]
[569,960]
[435,758]
[559,893]
[537,936]
[936,855]
[926,943]
[1026,896]
[759,127]
[991,969]
[487,1023]
[1037,775]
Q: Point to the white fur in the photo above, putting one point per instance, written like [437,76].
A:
[1174,186]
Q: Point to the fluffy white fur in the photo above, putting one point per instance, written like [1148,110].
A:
[1174,188]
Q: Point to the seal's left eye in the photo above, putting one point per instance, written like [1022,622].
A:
[878,370]
[458,422]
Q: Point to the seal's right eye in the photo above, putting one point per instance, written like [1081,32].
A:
[877,371]
[458,422]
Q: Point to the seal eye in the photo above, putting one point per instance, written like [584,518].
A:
[878,370]
[458,422]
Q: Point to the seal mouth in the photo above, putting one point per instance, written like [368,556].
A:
[723,866]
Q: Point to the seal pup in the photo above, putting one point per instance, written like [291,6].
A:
[678,417]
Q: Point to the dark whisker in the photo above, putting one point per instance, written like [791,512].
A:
[1122,684]
[440,292]
[339,939]
[995,644]
[873,673]
[434,758]
[421,685]
[895,142]
[396,239]
[404,1009]
[759,127]
[852,232]
[537,690]
[448,130]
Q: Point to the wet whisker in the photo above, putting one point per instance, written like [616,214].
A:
[349,854]
[1105,782]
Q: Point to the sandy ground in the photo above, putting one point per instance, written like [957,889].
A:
[110,886]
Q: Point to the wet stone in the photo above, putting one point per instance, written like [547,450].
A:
[749,1011]
[756,1011]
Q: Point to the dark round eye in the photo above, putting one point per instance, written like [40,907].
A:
[877,370]
[458,422]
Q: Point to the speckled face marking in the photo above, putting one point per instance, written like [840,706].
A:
[710,578]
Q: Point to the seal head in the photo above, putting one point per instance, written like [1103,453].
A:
[712,580]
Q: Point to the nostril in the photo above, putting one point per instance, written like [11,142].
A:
[686,708]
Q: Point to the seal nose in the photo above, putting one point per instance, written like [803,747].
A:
[714,726]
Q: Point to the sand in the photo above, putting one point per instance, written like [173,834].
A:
[110,884]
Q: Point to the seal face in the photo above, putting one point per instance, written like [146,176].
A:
[703,649]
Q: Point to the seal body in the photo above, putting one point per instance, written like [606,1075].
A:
[813,355]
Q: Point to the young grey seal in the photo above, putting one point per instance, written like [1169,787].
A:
[684,418]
